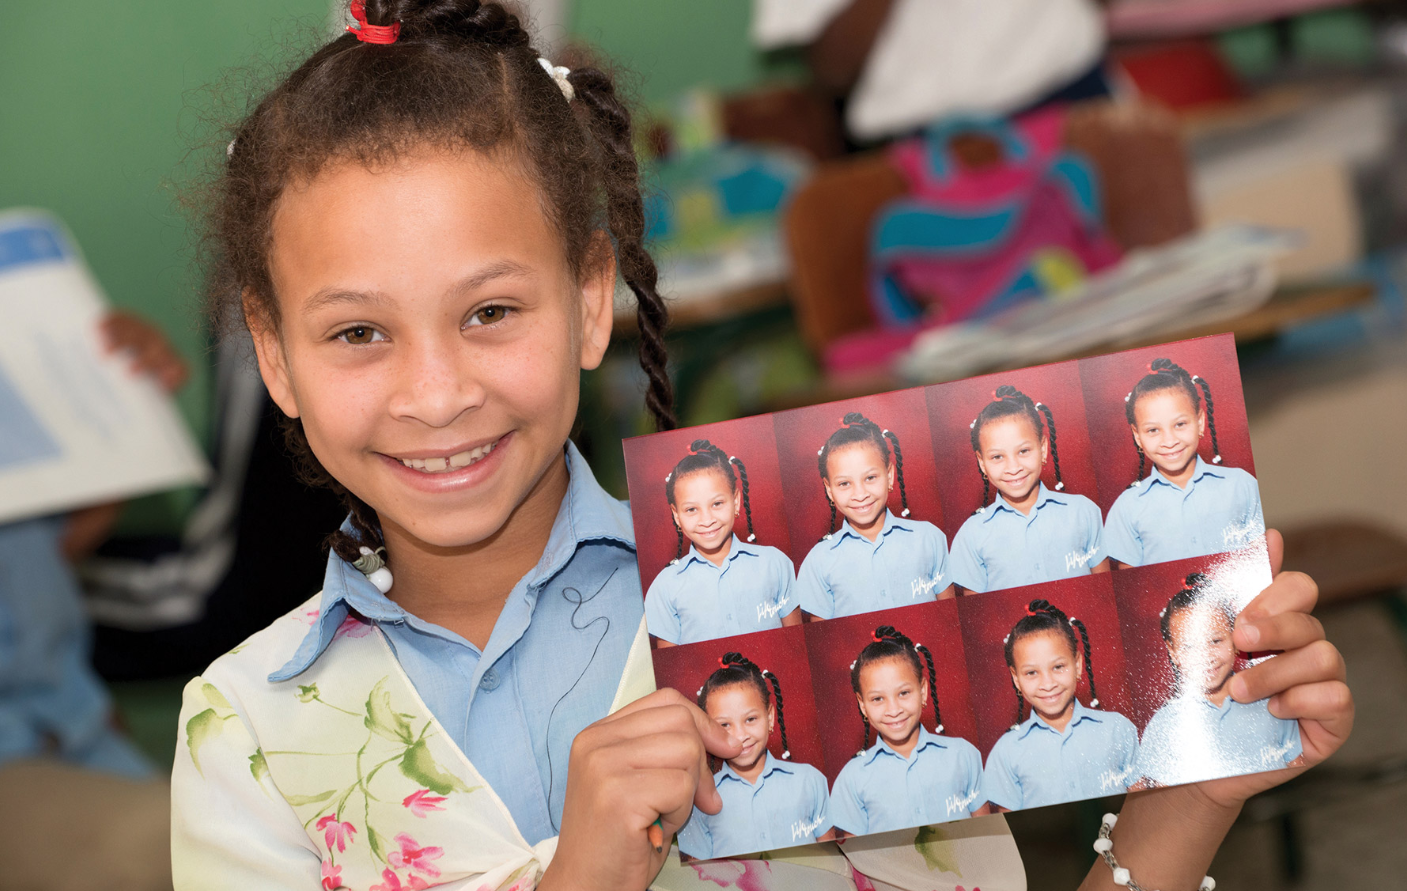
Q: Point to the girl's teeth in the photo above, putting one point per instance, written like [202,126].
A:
[453,462]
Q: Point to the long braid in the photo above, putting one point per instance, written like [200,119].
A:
[1054,452]
[678,545]
[747,502]
[609,121]
[830,526]
[898,470]
[1089,660]
[932,687]
[1211,416]
[781,718]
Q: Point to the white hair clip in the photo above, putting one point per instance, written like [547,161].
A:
[559,74]
[1094,703]
[1129,396]
[752,536]
[1038,405]
[821,450]
[904,512]
[938,729]
[229,149]
[698,694]
[786,754]
[1006,639]
[669,476]
[973,424]
[884,432]
[1216,459]
[1060,486]
[852,665]
[1195,377]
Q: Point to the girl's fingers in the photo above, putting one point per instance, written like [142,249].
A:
[1328,702]
[663,792]
[1319,661]
[1286,631]
[1275,544]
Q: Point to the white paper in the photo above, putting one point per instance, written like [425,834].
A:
[77,426]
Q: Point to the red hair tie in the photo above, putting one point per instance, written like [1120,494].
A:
[721,663]
[383,35]
[877,638]
[1031,612]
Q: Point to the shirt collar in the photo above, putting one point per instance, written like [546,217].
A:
[587,513]
[1202,469]
[738,547]
[925,739]
[1044,495]
[891,523]
[770,765]
[1079,714]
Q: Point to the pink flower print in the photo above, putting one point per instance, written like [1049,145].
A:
[335,833]
[412,856]
[745,875]
[393,883]
[421,802]
[331,876]
[352,626]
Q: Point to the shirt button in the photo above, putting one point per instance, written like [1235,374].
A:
[490,680]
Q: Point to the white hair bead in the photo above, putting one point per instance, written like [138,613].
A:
[786,753]
[1216,459]
[752,536]
[1094,703]
[559,74]
[904,512]
[381,578]
[1060,486]
[938,729]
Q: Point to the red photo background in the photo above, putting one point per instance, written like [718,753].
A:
[989,618]
[802,432]
[952,407]
[781,651]
[649,459]
[1108,379]
[833,645]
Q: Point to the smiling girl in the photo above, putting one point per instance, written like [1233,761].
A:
[1028,534]
[1185,507]
[768,803]
[422,226]
[1065,750]
[723,586]
[910,776]
[875,560]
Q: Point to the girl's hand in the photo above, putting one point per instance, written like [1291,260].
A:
[1305,682]
[647,761]
[151,352]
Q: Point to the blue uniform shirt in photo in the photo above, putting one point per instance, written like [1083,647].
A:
[52,703]
[999,547]
[786,806]
[550,667]
[847,574]
[880,790]
[1154,521]
[694,600]
[1190,739]
[1035,764]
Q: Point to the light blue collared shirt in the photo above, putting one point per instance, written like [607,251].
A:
[880,790]
[51,701]
[847,574]
[552,663]
[1000,547]
[787,806]
[693,600]
[1190,740]
[1035,764]
[1154,521]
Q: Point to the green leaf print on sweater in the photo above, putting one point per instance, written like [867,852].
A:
[384,720]
[419,765]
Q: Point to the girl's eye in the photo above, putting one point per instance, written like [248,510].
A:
[487,315]
[358,335]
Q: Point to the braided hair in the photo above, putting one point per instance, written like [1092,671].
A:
[735,669]
[855,429]
[1042,616]
[889,643]
[704,456]
[1009,402]
[461,75]
[1164,374]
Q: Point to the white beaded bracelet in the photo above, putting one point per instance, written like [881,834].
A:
[1104,846]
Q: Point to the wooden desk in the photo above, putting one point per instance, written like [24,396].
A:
[1288,307]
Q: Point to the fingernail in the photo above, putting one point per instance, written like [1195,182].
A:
[1238,690]
[1251,633]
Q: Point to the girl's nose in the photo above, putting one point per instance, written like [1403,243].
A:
[435,383]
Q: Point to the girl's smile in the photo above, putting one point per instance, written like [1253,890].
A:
[858,482]
[1168,428]
[892,698]
[1047,674]
[738,709]
[1012,456]
[705,510]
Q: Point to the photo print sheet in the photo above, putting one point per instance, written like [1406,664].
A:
[979,596]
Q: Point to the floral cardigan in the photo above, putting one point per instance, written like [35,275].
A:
[342,778]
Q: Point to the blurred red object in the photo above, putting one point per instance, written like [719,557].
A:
[1180,74]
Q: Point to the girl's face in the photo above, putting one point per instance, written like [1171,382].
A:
[1012,455]
[739,710]
[1201,647]
[858,483]
[431,338]
[1168,427]
[1046,672]
[705,508]
[892,697]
